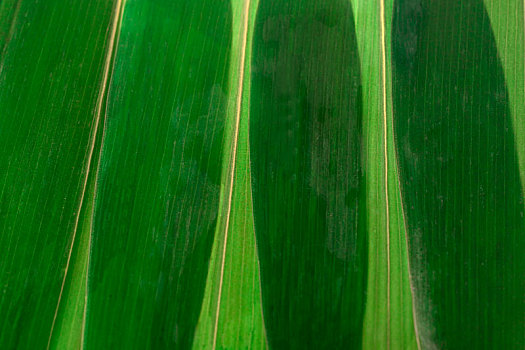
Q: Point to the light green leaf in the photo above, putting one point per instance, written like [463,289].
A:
[389,321]
[231,315]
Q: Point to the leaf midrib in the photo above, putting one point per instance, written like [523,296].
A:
[238,105]
[113,41]
[385,150]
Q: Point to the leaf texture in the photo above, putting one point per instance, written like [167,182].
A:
[160,171]
[50,73]
[459,174]
[231,315]
[389,321]
[307,173]
[258,174]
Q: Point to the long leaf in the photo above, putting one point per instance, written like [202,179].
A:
[257,173]
[157,198]
[459,174]
[389,320]
[231,315]
[51,69]
[308,185]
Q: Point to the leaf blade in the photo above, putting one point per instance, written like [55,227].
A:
[389,320]
[48,97]
[312,266]
[460,176]
[234,318]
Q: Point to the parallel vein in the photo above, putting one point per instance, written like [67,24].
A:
[385,150]
[233,157]
[98,111]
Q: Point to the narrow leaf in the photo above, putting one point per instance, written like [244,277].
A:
[51,68]
[307,173]
[157,199]
[231,315]
[389,321]
[460,176]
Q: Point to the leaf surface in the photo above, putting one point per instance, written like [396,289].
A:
[459,174]
[307,173]
[231,315]
[389,321]
[51,68]
[262,174]
[159,185]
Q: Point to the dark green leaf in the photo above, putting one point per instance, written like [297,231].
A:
[308,188]
[50,73]
[459,175]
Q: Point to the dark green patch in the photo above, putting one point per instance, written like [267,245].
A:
[459,176]
[308,183]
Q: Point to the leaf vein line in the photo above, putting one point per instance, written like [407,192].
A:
[98,112]
[234,154]
[385,150]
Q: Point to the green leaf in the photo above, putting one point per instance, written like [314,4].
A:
[231,315]
[307,173]
[157,197]
[459,174]
[389,320]
[51,69]
[262,174]
[507,20]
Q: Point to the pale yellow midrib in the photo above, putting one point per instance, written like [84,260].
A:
[233,158]
[385,150]
[100,99]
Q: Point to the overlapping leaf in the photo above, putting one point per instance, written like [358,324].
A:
[252,174]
